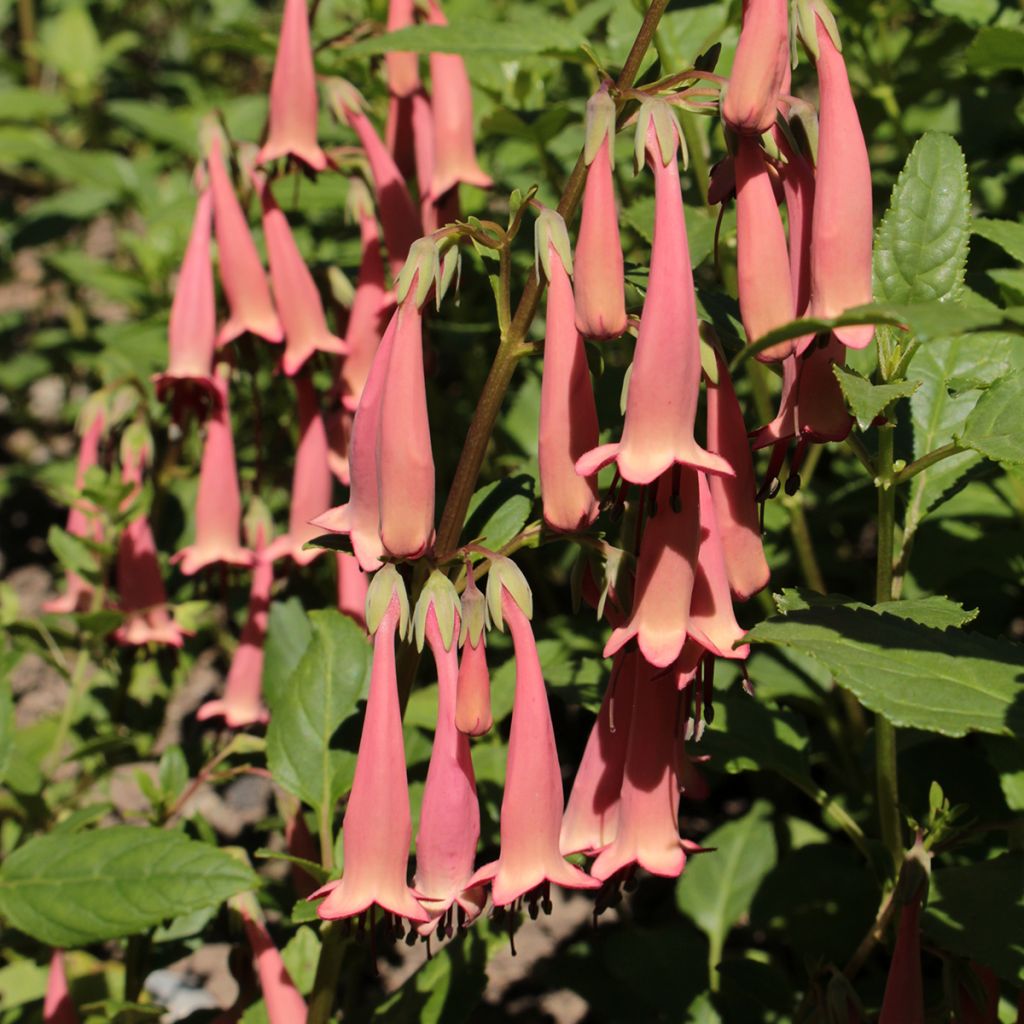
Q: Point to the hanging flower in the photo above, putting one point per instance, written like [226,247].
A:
[760,69]
[473,690]
[58,1007]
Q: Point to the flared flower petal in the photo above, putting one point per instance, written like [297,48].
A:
[218,504]
[241,269]
[760,68]
[532,805]
[378,824]
[661,406]
[298,300]
[293,101]
[843,230]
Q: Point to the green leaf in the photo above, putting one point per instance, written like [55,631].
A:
[447,988]
[70,890]
[937,680]
[996,49]
[995,426]
[717,888]
[6,727]
[288,635]
[921,245]
[30,106]
[498,511]
[1007,234]
[320,694]
[72,552]
[867,400]
[977,911]
[937,611]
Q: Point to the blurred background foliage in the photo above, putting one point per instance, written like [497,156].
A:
[100,109]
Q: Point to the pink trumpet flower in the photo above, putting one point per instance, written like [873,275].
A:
[311,481]
[298,301]
[403,68]
[57,1005]
[986,988]
[797,176]
[242,703]
[192,330]
[143,599]
[842,231]
[450,815]
[218,504]
[376,843]
[360,516]
[398,217]
[661,406]
[532,805]
[648,825]
[666,568]
[592,814]
[762,257]
[733,497]
[452,102]
[473,691]
[568,415]
[405,461]
[82,518]
[760,69]
[293,102]
[241,270]
[712,620]
[352,586]
[282,999]
[903,1002]
[599,276]
[339,436]
[371,305]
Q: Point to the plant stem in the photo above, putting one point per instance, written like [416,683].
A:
[804,546]
[136,960]
[328,970]
[886,779]
[27,32]
[921,464]
[76,687]
[512,346]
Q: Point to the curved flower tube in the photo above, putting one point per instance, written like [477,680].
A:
[760,68]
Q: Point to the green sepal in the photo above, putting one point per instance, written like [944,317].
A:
[474,614]
[550,231]
[385,584]
[422,265]
[505,574]
[438,593]
[600,125]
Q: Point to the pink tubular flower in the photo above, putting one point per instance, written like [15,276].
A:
[452,102]
[661,406]
[298,301]
[82,518]
[300,843]
[360,516]
[293,102]
[712,620]
[733,497]
[405,461]
[398,217]
[797,176]
[311,481]
[242,703]
[218,504]
[648,824]
[591,816]
[762,258]
[568,415]
[57,1005]
[599,276]
[403,68]
[282,999]
[903,1002]
[376,843]
[985,986]
[192,330]
[371,305]
[241,270]
[760,68]
[450,815]
[473,690]
[532,805]
[352,585]
[143,599]
[665,574]
[841,232]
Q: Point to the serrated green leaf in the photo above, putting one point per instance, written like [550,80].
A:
[867,400]
[6,726]
[935,611]
[1007,234]
[288,635]
[977,911]
[320,694]
[996,49]
[70,890]
[917,677]
[921,246]
[995,427]
[717,888]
